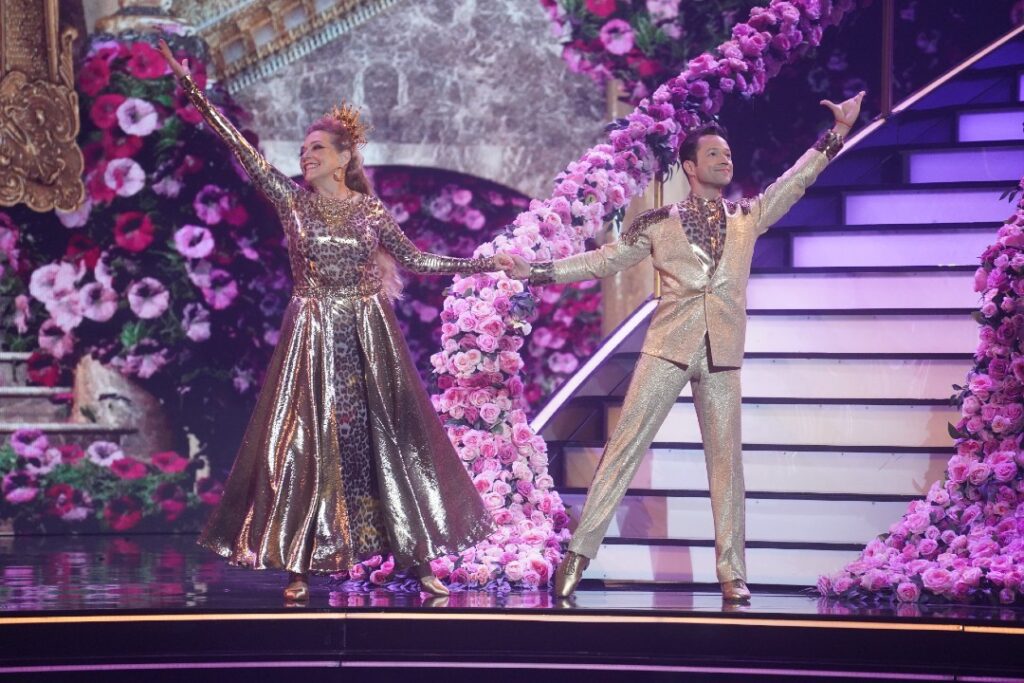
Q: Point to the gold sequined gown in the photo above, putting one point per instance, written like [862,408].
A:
[344,456]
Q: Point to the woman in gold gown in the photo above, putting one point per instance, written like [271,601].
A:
[343,456]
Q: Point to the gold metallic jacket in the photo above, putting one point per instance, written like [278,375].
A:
[695,301]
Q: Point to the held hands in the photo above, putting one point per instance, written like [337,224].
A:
[845,113]
[513,265]
[180,70]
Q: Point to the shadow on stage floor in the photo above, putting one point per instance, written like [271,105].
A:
[110,608]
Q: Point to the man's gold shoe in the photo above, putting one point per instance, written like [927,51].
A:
[735,591]
[569,573]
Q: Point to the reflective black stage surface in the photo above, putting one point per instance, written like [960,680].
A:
[110,608]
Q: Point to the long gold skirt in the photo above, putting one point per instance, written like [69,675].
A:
[344,455]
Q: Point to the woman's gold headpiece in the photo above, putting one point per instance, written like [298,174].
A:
[348,117]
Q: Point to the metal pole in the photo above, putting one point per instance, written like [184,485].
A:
[888,49]
[659,201]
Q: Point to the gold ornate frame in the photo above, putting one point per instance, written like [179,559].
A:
[40,161]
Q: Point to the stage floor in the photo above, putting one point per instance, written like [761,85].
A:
[74,606]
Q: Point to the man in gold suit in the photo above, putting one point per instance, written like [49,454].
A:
[702,247]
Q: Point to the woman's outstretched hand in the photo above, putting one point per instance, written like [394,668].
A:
[845,113]
[180,70]
[513,265]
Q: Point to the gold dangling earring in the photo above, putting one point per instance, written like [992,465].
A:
[337,178]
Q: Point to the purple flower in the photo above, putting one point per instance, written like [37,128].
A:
[221,291]
[98,301]
[103,453]
[124,176]
[19,487]
[52,281]
[617,37]
[137,117]
[148,298]
[196,322]
[193,241]
[663,10]
[207,204]
[76,218]
[29,443]
[54,340]
[144,360]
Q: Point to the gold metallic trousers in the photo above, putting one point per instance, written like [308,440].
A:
[655,386]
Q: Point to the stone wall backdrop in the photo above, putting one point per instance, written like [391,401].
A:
[475,86]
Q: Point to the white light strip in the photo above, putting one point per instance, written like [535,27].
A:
[596,359]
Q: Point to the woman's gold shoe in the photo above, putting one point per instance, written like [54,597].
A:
[297,589]
[569,574]
[430,583]
[735,591]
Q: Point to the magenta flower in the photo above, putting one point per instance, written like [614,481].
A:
[169,461]
[128,468]
[124,176]
[617,37]
[148,298]
[98,302]
[137,117]
[221,291]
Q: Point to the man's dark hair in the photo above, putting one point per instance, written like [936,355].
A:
[688,150]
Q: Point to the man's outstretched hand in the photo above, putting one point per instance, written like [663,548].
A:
[845,113]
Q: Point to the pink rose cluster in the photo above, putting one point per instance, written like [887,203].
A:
[965,541]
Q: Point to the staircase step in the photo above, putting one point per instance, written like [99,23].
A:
[812,425]
[33,403]
[654,517]
[828,378]
[915,246]
[964,205]
[861,334]
[995,124]
[68,432]
[878,473]
[921,289]
[822,378]
[966,165]
[696,563]
[12,368]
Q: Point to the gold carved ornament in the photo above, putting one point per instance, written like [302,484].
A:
[40,161]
